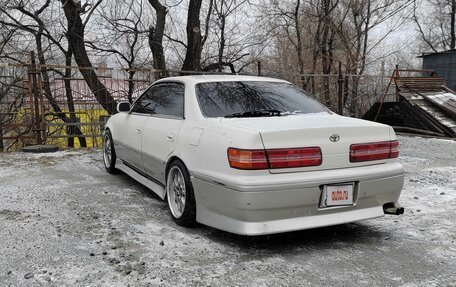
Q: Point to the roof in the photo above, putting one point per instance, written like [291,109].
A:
[220,78]
[431,101]
[437,53]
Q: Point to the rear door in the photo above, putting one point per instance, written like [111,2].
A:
[162,128]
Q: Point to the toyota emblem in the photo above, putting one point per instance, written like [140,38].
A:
[334,138]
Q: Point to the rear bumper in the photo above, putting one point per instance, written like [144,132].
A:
[288,202]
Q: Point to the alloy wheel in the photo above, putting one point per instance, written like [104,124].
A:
[176,191]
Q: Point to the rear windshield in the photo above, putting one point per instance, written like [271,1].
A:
[220,99]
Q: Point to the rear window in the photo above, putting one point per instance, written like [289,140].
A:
[219,99]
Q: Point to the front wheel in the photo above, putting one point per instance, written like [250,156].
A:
[179,191]
[109,154]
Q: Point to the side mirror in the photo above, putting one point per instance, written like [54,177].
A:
[123,107]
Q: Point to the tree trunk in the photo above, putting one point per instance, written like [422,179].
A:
[76,40]
[72,130]
[131,87]
[1,134]
[156,38]
[47,89]
[193,55]
[326,46]
[299,44]
[316,52]
[222,43]
[453,33]
[69,96]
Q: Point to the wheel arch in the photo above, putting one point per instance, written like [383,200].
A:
[170,161]
[108,126]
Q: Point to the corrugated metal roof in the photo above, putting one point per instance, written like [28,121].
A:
[431,96]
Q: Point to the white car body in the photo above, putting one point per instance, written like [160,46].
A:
[255,202]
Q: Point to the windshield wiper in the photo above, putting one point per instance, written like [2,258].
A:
[254,114]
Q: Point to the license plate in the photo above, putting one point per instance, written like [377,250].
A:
[337,195]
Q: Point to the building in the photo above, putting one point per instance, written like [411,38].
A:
[444,64]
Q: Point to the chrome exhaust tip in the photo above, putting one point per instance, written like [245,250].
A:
[390,208]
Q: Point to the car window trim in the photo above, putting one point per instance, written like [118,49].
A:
[140,114]
[170,117]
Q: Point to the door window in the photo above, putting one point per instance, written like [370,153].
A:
[166,99]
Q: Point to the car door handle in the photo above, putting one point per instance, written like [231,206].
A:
[138,131]
[170,137]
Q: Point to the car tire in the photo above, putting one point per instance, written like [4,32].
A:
[180,195]
[109,153]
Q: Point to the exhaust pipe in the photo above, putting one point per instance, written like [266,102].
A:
[390,208]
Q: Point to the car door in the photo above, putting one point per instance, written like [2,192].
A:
[162,127]
[129,147]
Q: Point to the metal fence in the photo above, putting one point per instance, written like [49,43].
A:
[356,93]
[52,104]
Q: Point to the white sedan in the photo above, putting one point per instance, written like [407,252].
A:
[253,155]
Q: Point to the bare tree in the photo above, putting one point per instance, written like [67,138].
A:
[192,59]
[310,29]
[73,11]
[12,98]
[33,24]
[326,47]
[156,33]
[223,9]
[436,23]
[124,30]
[355,37]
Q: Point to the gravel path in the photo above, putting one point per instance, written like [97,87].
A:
[65,222]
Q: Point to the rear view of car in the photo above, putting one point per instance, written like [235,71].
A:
[307,168]
[252,156]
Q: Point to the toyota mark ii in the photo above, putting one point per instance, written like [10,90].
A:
[253,155]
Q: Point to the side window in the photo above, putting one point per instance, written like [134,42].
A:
[143,104]
[162,99]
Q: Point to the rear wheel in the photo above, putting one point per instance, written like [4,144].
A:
[179,191]
[109,154]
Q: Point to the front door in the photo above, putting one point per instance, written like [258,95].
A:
[130,138]
[128,149]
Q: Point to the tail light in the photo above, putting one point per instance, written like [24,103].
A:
[297,157]
[374,151]
[247,159]
[394,149]
[274,158]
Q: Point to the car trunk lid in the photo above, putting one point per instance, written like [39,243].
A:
[332,133]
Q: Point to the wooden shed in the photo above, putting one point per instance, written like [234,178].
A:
[444,64]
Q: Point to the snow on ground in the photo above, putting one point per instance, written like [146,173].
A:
[65,222]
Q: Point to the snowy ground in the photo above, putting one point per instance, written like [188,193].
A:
[65,221]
